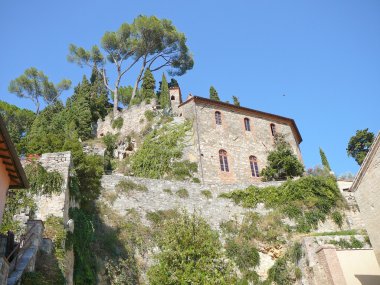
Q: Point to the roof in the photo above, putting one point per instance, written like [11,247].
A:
[366,163]
[11,160]
[286,120]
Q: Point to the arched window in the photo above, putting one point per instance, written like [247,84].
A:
[223,160]
[218,118]
[254,166]
[273,129]
[172,98]
[247,125]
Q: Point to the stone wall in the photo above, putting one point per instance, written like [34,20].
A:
[133,120]
[367,191]
[208,138]
[214,209]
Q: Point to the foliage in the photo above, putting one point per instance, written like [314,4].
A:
[182,170]
[35,85]
[117,123]
[207,194]
[164,93]
[214,94]
[182,193]
[125,94]
[127,186]
[190,253]
[338,233]
[308,200]
[18,122]
[167,190]
[84,266]
[344,243]
[118,273]
[41,181]
[55,230]
[34,278]
[324,160]
[158,217]
[359,145]
[282,163]
[236,101]
[159,154]
[149,115]
[148,85]
[337,218]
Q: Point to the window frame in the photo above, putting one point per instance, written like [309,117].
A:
[247,124]
[223,161]
[273,129]
[218,118]
[254,166]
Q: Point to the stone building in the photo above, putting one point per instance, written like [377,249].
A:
[231,143]
[367,192]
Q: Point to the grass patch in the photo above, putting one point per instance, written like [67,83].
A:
[338,233]
[182,193]
[159,216]
[149,115]
[127,186]
[117,123]
[344,244]
[207,194]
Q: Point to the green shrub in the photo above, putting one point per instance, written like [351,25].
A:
[308,200]
[196,180]
[55,230]
[355,243]
[343,243]
[159,155]
[117,123]
[298,273]
[207,194]
[34,278]
[282,162]
[190,253]
[149,115]
[127,186]
[182,193]
[243,252]
[167,190]
[337,218]
[161,215]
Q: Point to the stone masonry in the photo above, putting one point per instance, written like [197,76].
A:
[208,138]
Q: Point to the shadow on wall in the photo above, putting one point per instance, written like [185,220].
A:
[369,279]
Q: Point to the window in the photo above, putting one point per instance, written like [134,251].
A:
[223,160]
[247,124]
[172,98]
[273,129]
[254,166]
[218,118]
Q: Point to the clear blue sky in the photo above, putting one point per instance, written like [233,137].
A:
[323,55]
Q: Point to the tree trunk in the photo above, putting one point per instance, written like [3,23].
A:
[138,80]
[115,102]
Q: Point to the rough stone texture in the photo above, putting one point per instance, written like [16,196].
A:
[175,100]
[133,120]
[367,191]
[57,204]
[208,138]
[4,268]
[214,210]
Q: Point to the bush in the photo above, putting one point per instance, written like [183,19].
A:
[308,200]
[183,193]
[149,115]
[167,190]
[159,155]
[337,218]
[127,186]
[282,163]
[207,194]
[190,253]
[117,123]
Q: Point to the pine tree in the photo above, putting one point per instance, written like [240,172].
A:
[214,94]
[99,96]
[236,101]
[148,85]
[164,94]
[325,162]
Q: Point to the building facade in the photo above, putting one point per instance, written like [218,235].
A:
[231,143]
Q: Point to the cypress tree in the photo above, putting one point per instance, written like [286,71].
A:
[236,101]
[148,85]
[214,94]
[164,94]
[325,162]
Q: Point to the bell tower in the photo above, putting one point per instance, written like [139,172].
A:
[175,99]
